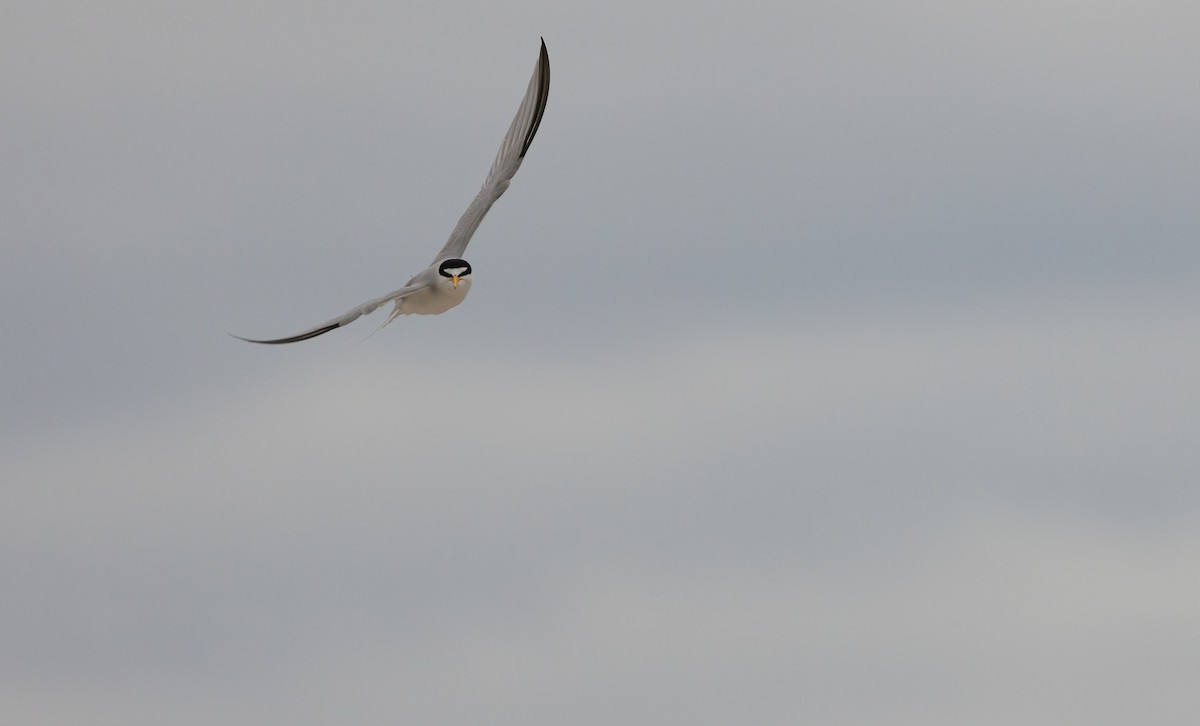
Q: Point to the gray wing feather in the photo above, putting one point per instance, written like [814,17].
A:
[344,319]
[508,159]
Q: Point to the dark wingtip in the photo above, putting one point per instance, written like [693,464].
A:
[293,339]
[543,94]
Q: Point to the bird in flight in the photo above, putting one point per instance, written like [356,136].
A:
[447,280]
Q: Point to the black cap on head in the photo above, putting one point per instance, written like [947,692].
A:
[450,268]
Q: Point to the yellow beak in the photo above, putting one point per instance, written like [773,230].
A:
[454,279]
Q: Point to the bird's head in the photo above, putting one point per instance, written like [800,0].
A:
[455,270]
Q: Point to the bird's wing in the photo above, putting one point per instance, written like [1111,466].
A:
[345,319]
[508,160]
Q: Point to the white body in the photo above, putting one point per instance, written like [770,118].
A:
[438,297]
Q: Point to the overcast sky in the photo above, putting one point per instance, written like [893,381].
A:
[826,362]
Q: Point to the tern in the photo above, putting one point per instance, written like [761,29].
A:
[447,280]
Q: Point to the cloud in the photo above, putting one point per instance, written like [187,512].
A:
[825,363]
[857,499]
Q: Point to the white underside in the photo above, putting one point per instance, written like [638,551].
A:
[437,298]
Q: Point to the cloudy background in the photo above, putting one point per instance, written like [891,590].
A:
[826,363]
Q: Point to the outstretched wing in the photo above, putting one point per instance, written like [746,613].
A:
[345,319]
[508,160]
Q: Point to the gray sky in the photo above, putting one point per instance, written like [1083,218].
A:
[825,363]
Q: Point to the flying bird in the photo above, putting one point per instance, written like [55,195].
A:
[447,280]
